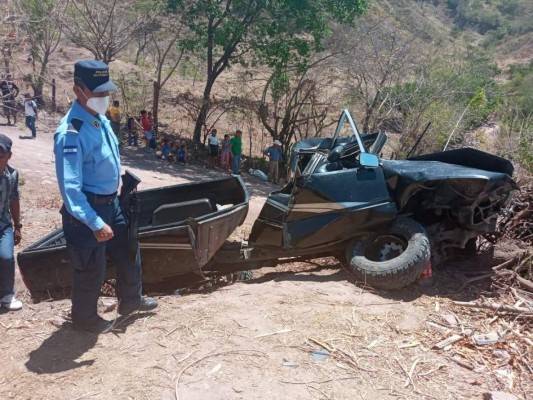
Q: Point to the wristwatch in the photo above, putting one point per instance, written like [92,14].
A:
[18,226]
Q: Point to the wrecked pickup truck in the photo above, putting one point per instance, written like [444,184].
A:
[383,218]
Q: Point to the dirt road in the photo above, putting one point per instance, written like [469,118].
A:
[263,339]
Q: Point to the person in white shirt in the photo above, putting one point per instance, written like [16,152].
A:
[30,108]
[213,147]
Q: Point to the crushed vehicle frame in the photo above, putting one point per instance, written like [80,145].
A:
[383,218]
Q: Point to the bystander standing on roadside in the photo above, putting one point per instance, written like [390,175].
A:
[236,151]
[213,147]
[274,154]
[88,173]
[10,234]
[224,152]
[147,130]
[30,109]
[9,92]
[114,117]
[132,132]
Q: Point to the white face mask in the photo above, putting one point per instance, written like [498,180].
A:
[98,104]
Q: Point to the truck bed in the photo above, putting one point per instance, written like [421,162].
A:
[180,229]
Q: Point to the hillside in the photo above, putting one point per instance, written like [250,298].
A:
[298,330]
[403,49]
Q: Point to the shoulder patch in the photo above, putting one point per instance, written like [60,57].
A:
[70,150]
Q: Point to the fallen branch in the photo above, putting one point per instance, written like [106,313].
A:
[409,379]
[320,382]
[351,360]
[447,342]
[475,278]
[494,306]
[506,264]
[273,333]
[525,283]
[325,346]
[462,363]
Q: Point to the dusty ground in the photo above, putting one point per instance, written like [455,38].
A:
[251,340]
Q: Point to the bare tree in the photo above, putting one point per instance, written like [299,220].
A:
[9,38]
[376,56]
[219,107]
[104,28]
[293,103]
[167,57]
[44,36]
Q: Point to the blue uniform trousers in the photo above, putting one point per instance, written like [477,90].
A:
[88,259]
[7,261]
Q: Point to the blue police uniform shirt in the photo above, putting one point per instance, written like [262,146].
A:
[87,160]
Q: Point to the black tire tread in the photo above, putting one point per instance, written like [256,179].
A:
[247,275]
[398,272]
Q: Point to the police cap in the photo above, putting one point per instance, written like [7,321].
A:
[5,143]
[94,74]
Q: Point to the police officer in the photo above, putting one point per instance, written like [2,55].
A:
[88,172]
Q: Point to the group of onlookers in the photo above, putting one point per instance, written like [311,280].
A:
[143,123]
[10,91]
[173,152]
[228,149]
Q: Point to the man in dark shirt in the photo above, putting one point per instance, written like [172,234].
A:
[9,91]
[10,226]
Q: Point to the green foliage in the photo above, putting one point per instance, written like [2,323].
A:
[494,18]
[188,70]
[479,108]
[454,92]
[277,34]
[525,150]
[280,85]
[516,114]
[260,163]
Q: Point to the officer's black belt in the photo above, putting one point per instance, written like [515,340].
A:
[100,199]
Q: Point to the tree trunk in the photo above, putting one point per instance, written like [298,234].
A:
[202,114]
[155,106]
[38,93]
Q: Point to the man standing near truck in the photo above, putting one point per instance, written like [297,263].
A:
[88,172]
[274,153]
[236,151]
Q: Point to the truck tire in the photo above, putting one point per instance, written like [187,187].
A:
[393,259]
[247,275]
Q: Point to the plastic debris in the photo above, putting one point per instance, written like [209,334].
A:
[499,396]
[320,355]
[290,363]
[484,339]
[258,174]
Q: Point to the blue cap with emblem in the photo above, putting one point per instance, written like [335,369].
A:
[95,75]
